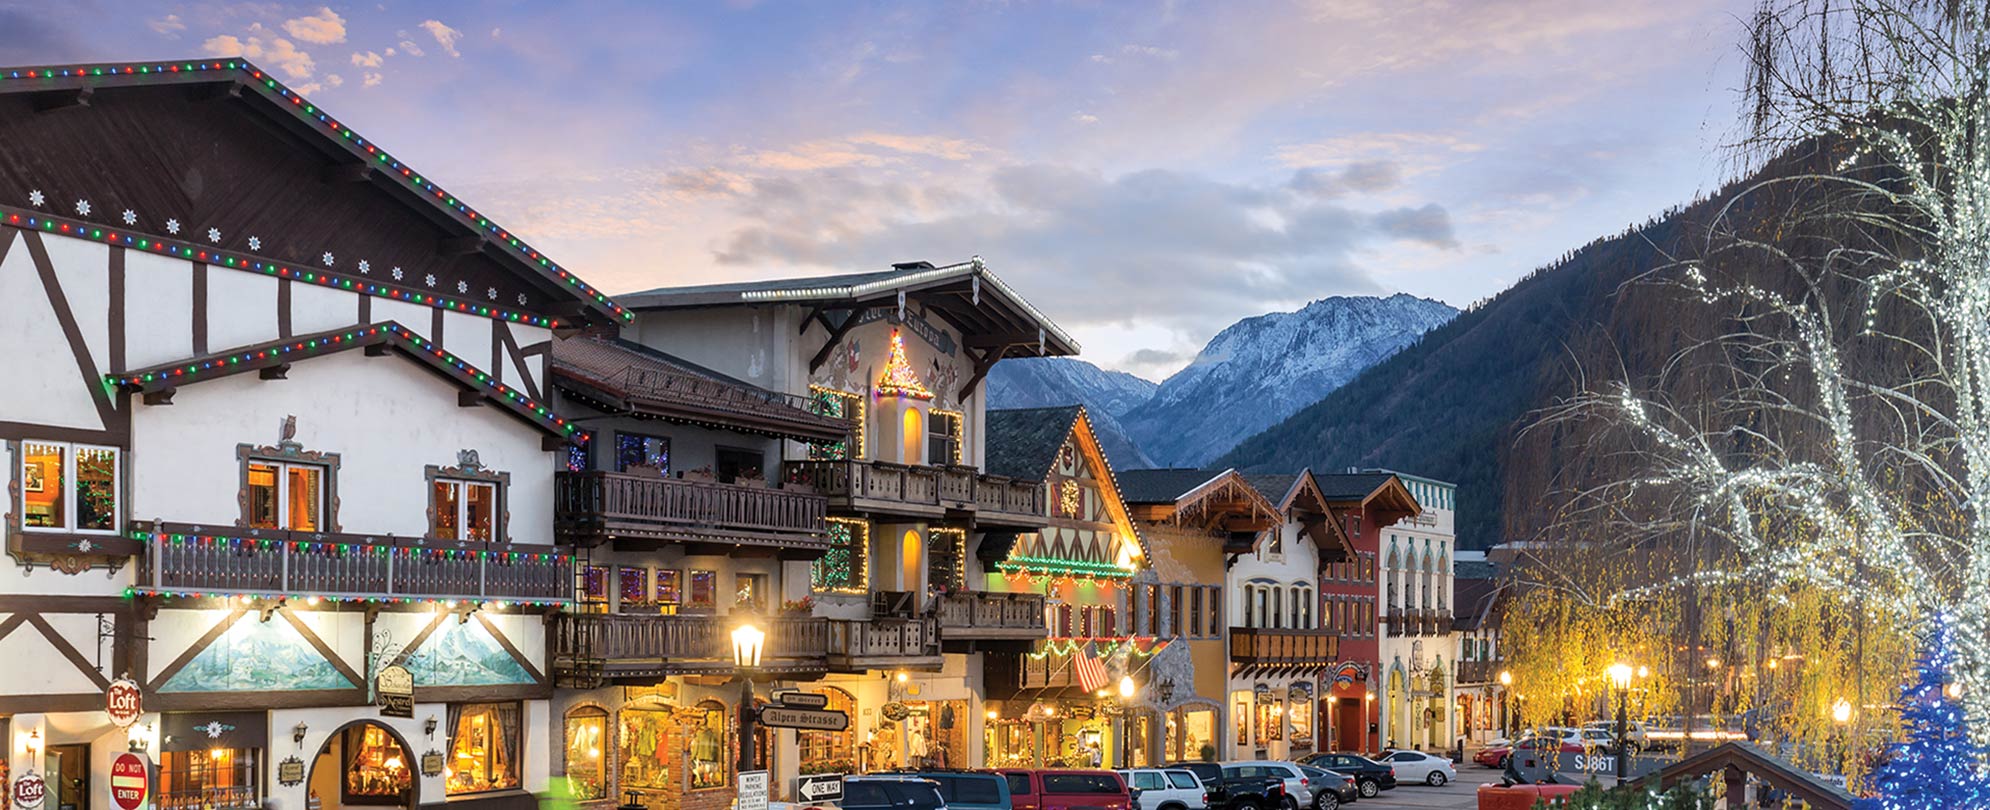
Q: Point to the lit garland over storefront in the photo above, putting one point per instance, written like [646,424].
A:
[1054,566]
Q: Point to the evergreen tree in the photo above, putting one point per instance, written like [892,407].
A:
[1936,766]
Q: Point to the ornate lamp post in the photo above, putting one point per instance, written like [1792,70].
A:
[747,643]
[1127,688]
[1620,676]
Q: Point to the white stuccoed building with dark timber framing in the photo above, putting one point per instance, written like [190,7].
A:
[272,424]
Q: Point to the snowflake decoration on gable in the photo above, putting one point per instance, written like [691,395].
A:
[462,286]
[173,226]
[429,279]
[397,272]
[521,299]
[327,259]
[491,293]
[255,243]
[214,235]
[365,266]
[130,217]
[82,208]
[35,198]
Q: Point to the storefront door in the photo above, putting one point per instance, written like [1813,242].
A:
[68,767]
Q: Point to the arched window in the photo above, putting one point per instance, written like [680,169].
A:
[1408,574]
[587,738]
[1424,586]
[1444,581]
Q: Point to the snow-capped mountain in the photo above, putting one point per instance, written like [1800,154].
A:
[1042,382]
[1263,369]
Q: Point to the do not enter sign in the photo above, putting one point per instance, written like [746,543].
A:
[130,780]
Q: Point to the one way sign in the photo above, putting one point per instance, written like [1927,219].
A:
[822,787]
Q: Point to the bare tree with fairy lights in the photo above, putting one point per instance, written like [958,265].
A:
[1834,430]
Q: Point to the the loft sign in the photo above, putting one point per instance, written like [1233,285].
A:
[124,702]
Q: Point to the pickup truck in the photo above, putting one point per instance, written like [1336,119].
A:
[1066,790]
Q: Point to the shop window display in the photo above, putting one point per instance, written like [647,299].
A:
[210,779]
[483,748]
[1191,735]
[645,759]
[830,751]
[708,747]
[376,769]
[586,735]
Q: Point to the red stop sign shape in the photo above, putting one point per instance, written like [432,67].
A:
[128,782]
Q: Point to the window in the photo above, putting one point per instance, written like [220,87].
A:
[1081,783]
[1153,610]
[704,589]
[669,588]
[943,437]
[639,453]
[219,778]
[868,794]
[737,464]
[376,769]
[708,746]
[983,789]
[1183,780]
[915,795]
[483,748]
[1175,611]
[1019,784]
[464,510]
[1148,780]
[285,495]
[1215,612]
[750,591]
[1195,624]
[847,407]
[846,566]
[830,751]
[634,585]
[70,486]
[586,733]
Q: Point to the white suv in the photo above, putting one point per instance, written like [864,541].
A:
[1166,789]
[1634,734]
[1298,789]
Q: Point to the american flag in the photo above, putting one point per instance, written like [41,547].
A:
[1091,670]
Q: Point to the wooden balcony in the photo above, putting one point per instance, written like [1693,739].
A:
[183,558]
[981,616]
[856,646]
[1480,671]
[1051,671]
[592,649]
[641,512]
[920,491]
[1405,622]
[1265,647]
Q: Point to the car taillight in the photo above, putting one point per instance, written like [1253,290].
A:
[1303,781]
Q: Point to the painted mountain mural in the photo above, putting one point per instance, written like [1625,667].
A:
[464,654]
[260,656]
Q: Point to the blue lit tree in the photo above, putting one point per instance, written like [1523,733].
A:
[1937,765]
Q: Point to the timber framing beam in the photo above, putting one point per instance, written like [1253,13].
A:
[836,336]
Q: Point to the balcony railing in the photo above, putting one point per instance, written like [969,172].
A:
[186,559]
[612,645]
[1480,671]
[1404,622]
[1273,647]
[919,490]
[970,616]
[595,506]
[882,643]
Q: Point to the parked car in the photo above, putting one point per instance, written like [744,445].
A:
[1298,789]
[1635,737]
[1330,788]
[969,790]
[1417,766]
[1170,789]
[1370,777]
[1210,773]
[1235,791]
[891,792]
[1063,789]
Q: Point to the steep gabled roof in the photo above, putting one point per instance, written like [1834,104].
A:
[619,375]
[1022,443]
[1474,598]
[272,359]
[965,294]
[1162,485]
[234,85]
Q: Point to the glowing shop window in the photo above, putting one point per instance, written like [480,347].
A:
[286,496]
[69,486]
[483,751]
[586,733]
[464,510]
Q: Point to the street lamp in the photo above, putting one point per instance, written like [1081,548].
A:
[1620,675]
[1127,688]
[747,643]
[1506,709]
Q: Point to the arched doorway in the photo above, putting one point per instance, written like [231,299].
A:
[1399,733]
[363,765]
[911,560]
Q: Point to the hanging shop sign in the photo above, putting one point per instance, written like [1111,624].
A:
[396,689]
[200,731]
[1299,692]
[896,711]
[1263,693]
[1347,674]
[290,772]
[131,777]
[123,701]
[1080,711]
[29,791]
[431,763]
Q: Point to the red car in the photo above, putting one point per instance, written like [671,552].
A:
[1496,757]
[1066,790]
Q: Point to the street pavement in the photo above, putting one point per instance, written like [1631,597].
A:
[1461,794]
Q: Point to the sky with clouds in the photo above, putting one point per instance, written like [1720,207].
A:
[1144,172]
